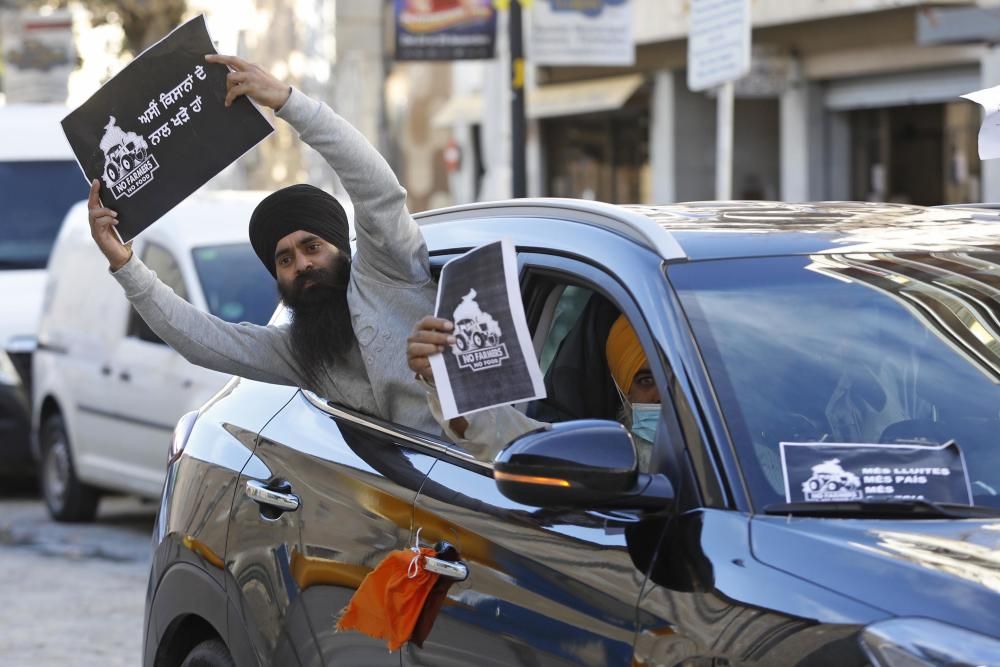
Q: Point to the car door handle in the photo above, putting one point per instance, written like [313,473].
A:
[259,492]
[446,568]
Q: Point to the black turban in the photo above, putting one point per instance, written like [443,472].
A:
[297,207]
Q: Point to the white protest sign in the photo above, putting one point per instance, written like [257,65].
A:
[989,133]
[493,361]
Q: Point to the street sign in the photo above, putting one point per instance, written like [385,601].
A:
[718,42]
[596,32]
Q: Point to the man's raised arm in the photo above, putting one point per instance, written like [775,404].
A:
[388,238]
[247,350]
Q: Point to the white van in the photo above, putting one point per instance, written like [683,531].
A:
[106,391]
[39,181]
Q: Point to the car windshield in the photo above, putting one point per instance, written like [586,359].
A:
[236,285]
[36,197]
[852,349]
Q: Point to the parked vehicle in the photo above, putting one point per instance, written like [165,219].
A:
[106,389]
[39,181]
[763,323]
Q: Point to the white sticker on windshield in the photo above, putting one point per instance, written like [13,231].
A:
[822,472]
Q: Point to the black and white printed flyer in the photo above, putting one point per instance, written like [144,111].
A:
[492,362]
[851,472]
[159,130]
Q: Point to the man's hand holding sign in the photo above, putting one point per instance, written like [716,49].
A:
[250,80]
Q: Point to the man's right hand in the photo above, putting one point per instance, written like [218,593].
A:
[102,222]
[430,336]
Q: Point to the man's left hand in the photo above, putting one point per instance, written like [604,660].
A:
[251,80]
[430,336]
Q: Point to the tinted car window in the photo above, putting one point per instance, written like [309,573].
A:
[567,313]
[36,197]
[159,260]
[237,287]
[167,269]
[860,348]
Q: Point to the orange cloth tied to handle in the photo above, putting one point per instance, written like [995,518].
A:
[388,602]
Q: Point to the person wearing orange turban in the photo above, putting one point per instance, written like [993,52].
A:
[486,433]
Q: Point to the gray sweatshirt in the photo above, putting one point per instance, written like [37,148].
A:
[390,289]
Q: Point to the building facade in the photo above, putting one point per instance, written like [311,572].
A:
[847,99]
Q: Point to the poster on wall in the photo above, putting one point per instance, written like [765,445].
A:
[597,32]
[445,29]
[492,361]
[159,130]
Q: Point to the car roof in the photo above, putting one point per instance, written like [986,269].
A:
[33,132]
[208,218]
[214,217]
[730,229]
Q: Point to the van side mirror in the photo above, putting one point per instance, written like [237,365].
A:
[585,464]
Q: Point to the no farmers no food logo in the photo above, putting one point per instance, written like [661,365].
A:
[128,165]
[477,337]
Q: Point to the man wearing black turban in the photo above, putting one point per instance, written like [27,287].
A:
[351,315]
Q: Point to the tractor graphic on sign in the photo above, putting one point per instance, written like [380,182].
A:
[829,481]
[124,152]
[474,329]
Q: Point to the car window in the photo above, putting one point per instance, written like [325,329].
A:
[159,260]
[579,381]
[236,285]
[873,349]
[36,197]
[568,309]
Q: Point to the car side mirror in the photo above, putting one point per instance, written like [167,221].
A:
[585,464]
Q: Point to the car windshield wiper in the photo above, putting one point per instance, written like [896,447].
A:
[885,509]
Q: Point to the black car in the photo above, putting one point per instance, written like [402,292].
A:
[871,324]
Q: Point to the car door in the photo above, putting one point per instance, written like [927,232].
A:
[544,587]
[352,480]
[150,388]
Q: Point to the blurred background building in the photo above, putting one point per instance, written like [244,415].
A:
[847,99]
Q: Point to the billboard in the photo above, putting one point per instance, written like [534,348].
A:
[445,29]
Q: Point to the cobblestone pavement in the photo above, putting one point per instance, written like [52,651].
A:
[72,594]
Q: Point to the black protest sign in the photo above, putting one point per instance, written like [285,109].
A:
[159,130]
[492,362]
[846,472]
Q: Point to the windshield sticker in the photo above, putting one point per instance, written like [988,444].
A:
[492,361]
[823,472]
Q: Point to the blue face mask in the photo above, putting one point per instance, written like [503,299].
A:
[645,417]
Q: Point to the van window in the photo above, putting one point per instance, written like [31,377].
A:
[36,197]
[236,285]
[160,260]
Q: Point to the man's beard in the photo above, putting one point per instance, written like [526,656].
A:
[321,333]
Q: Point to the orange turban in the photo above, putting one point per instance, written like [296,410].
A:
[624,353]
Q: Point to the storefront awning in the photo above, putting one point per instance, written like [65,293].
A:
[557,99]
[579,97]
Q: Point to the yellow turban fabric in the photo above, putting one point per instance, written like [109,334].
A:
[625,355]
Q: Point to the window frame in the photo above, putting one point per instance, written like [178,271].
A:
[136,327]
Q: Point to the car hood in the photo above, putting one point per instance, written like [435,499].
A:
[22,303]
[944,569]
